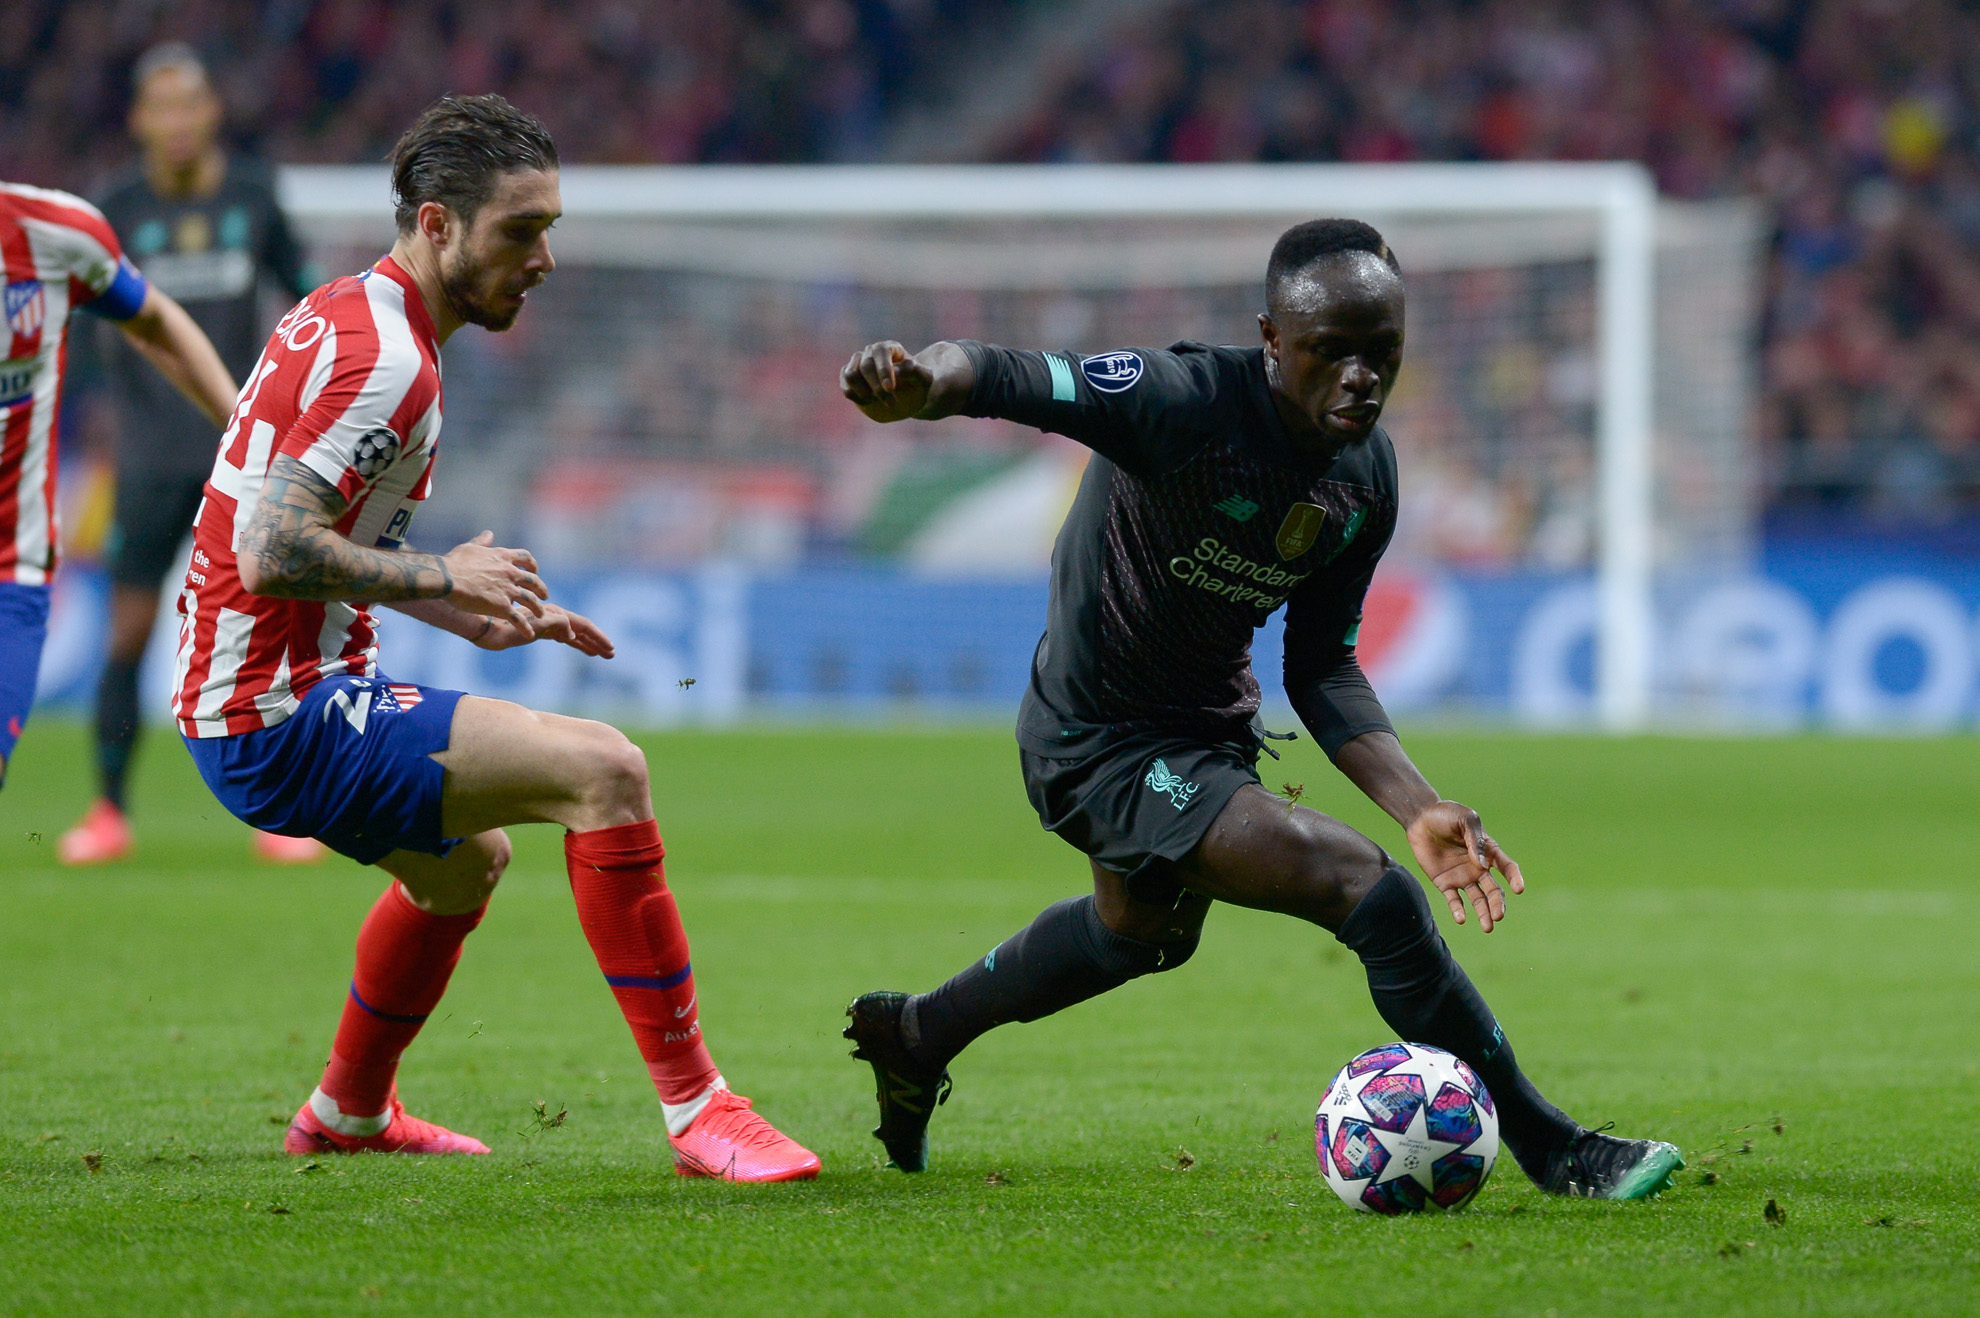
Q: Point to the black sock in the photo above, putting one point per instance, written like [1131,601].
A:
[1426,997]
[1064,956]
[116,726]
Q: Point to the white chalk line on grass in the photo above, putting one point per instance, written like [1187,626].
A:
[1843,902]
[933,890]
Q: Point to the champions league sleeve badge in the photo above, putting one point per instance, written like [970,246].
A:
[1112,372]
[374,451]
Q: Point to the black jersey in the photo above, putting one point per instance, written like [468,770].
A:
[210,254]
[1196,519]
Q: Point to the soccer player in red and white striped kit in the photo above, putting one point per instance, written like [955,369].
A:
[58,255]
[280,698]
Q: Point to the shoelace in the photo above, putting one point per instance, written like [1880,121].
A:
[1580,1171]
[739,1125]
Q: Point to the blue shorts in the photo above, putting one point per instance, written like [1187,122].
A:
[23,629]
[351,767]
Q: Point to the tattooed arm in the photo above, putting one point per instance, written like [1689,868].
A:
[292,550]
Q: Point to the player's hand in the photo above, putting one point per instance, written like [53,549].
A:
[554,623]
[496,583]
[1453,848]
[885,381]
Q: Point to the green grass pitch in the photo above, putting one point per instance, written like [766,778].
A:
[1762,950]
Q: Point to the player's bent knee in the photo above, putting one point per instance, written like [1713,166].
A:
[1131,958]
[1176,951]
[500,851]
[616,777]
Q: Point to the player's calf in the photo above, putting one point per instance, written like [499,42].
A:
[406,952]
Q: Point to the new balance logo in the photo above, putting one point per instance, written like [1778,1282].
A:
[1237,507]
[904,1092]
[1180,793]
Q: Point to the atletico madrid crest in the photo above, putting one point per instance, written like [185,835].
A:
[1300,530]
[27,307]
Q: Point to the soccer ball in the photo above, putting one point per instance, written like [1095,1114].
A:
[1406,1127]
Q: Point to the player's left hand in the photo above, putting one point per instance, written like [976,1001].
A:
[1453,848]
[554,623]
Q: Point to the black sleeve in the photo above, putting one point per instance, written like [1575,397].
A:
[281,254]
[1144,409]
[1324,680]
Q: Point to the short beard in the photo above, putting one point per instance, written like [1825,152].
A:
[457,285]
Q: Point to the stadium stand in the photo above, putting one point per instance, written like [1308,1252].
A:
[335,80]
[1856,120]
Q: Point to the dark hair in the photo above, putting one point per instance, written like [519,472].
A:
[454,151]
[1315,240]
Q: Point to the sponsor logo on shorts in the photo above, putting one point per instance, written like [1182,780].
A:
[1112,372]
[1180,793]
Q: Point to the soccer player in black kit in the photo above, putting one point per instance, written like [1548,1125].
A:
[1225,482]
[203,226]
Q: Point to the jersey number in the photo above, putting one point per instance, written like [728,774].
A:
[356,712]
[242,483]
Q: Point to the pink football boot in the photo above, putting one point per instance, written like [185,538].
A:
[731,1143]
[104,835]
[406,1134]
[279,850]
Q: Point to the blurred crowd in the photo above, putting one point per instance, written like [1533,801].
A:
[337,80]
[1858,121]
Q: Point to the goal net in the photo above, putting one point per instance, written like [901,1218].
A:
[1572,406]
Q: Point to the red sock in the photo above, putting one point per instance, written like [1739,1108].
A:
[404,958]
[635,931]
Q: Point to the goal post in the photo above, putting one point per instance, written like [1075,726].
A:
[995,229]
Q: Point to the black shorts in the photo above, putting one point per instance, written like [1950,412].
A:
[155,511]
[1140,802]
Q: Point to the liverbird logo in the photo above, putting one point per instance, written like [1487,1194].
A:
[1161,780]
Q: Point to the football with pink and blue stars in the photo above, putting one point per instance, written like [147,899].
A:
[1405,1128]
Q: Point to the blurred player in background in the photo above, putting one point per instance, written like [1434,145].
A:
[1224,483]
[60,255]
[279,695]
[203,227]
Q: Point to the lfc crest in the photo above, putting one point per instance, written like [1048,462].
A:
[1300,530]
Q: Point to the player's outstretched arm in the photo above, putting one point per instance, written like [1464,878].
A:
[1448,838]
[888,383]
[555,623]
[173,342]
[291,550]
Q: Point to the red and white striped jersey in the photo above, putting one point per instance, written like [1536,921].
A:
[59,255]
[349,385]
